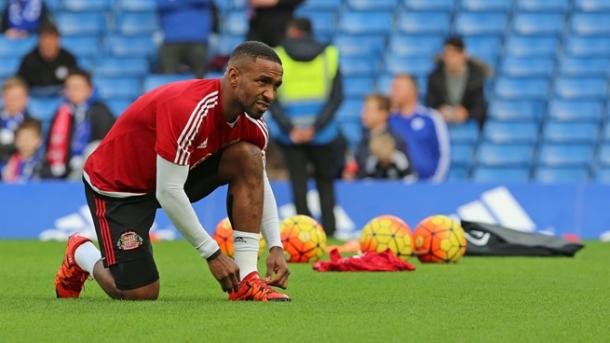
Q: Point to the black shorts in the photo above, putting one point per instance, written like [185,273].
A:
[123,224]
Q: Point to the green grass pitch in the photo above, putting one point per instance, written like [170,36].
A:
[478,299]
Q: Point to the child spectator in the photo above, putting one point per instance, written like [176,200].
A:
[24,163]
[77,127]
[15,99]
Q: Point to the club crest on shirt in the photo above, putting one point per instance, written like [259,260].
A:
[129,240]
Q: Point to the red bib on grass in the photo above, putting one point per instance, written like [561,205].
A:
[368,262]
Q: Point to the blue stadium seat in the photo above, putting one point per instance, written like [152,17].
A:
[457,173]
[538,23]
[324,22]
[87,5]
[419,22]
[121,67]
[585,24]
[86,23]
[587,46]
[357,86]
[511,132]
[515,110]
[137,23]
[542,5]
[54,5]
[235,23]
[415,45]
[136,5]
[16,47]
[462,155]
[350,110]
[464,133]
[368,22]
[86,62]
[522,89]
[532,45]
[603,156]
[226,43]
[153,81]
[487,5]
[82,46]
[565,155]
[592,5]
[417,66]
[372,5]
[481,23]
[581,88]
[528,66]
[606,133]
[43,108]
[575,110]
[9,66]
[484,48]
[130,46]
[584,66]
[357,66]
[117,88]
[429,5]
[368,46]
[562,132]
[352,130]
[317,5]
[602,175]
[485,174]
[505,155]
[561,175]
[118,106]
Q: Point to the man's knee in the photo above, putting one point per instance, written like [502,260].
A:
[148,292]
[242,159]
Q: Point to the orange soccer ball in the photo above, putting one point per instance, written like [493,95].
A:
[303,238]
[224,237]
[387,232]
[439,239]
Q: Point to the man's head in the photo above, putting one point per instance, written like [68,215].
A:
[403,92]
[254,74]
[375,111]
[28,137]
[454,54]
[78,86]
[48,42]
[298,28]
[14,95]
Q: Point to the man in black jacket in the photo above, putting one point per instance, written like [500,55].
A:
[46,67]
[269,20]
[456,85]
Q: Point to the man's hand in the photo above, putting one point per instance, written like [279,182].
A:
[276,263]
[226,272]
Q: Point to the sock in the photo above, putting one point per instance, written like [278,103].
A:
[246,251]
[86,256]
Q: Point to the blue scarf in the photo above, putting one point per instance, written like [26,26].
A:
[8,125]
[82,128]
[24,14]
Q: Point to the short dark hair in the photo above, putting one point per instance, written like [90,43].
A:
[302,24]
[254,50]
[408,77]
[456,42]
[30,123]
[48,28]
[82,73]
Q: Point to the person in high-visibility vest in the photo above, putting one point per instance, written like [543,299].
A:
[305,113]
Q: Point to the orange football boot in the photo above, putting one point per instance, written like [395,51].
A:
[253,288]
[70,277]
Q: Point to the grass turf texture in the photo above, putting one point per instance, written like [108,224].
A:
[480,299]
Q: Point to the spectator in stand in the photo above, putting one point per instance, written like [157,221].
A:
[186,26]
[76,129]
[269,20]
[46,67]
[381,154]
[456,85]
[15,99]
[21,18]
[422,128]
[24,164]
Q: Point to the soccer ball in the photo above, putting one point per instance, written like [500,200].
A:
[439,239]
[303,238]
[387,232]
[224,237]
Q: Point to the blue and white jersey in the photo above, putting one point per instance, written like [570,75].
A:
[427,138]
